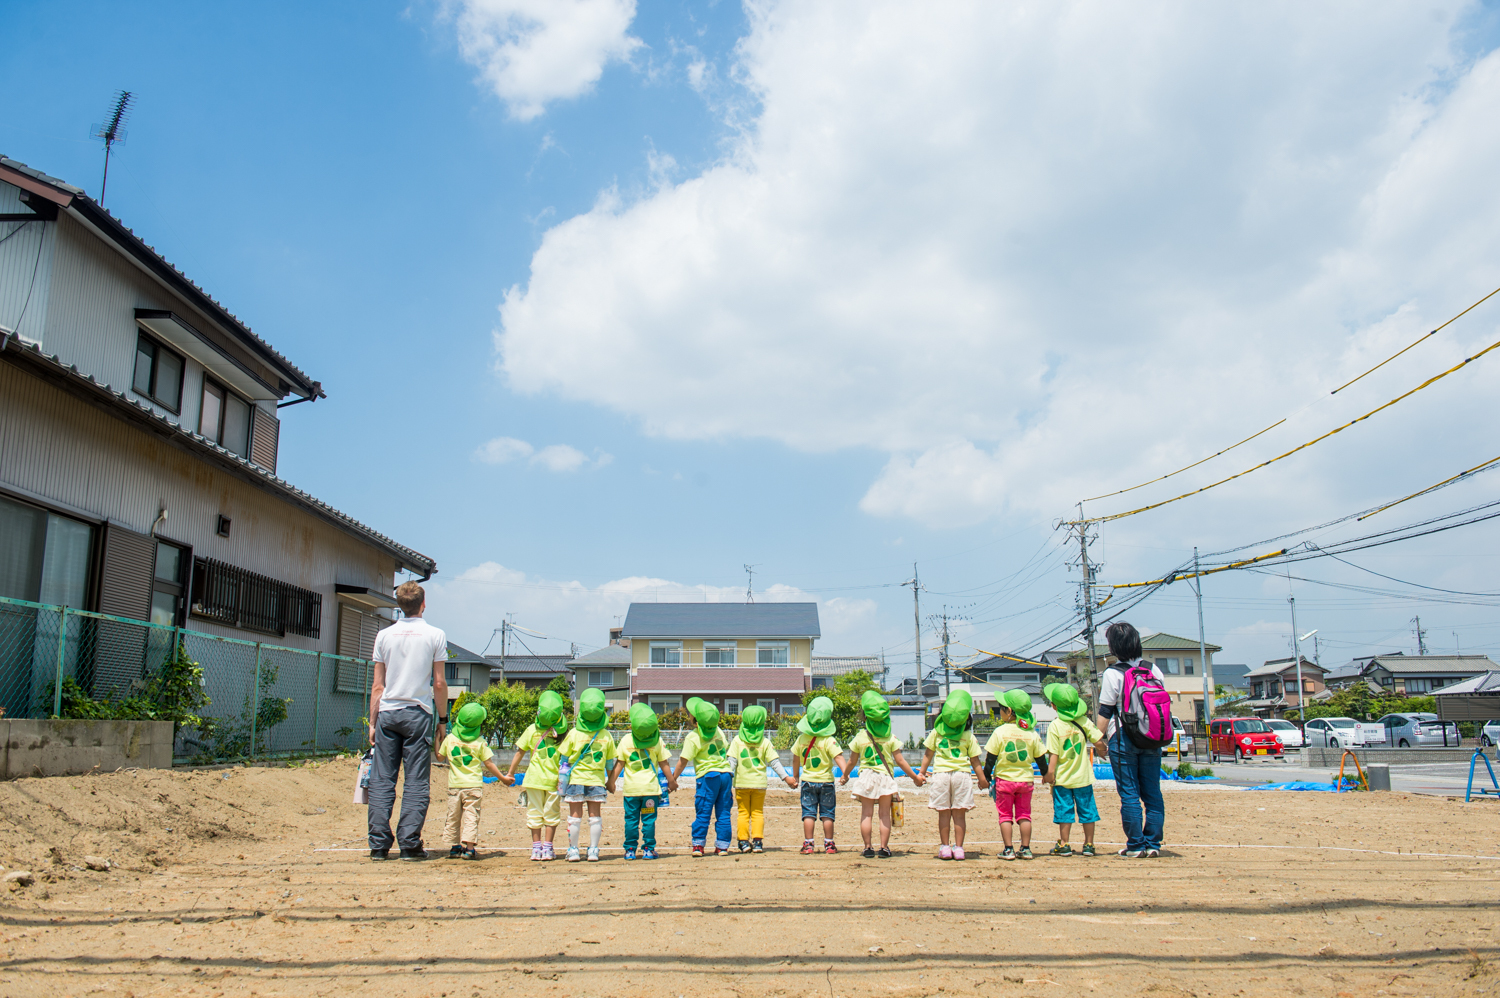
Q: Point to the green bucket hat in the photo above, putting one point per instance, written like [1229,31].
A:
[549,712]
[706,714]
[1065,699]
[956,711]
[644,728]
[818,721]
[752,725]
[466,723]
[1020,703]
[877,713]
[593,712]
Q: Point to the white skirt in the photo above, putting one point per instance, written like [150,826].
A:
[872,783]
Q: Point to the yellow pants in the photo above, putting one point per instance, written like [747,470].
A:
[751,805]
[542,808]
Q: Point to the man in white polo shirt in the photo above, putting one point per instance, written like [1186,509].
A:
[410,659]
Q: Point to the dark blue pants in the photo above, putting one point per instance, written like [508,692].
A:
[403,740]
[1138,781]
[715,793]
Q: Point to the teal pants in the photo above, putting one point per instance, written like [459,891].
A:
[640,818]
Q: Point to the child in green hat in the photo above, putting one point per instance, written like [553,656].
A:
[543,739]
[1069,769]
[814,754]
[468,755]
[878,754]
[707,748]
[751,752]
[587,752]
[952,754]
[639,756]
[1009,754]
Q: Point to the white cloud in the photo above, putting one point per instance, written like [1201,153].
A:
[1033,253]
[533,52]
[502,449]
[553,457]
[560,457]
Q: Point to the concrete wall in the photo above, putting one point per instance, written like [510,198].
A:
[66,748]
[1323,756]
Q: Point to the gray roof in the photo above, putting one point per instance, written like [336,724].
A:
[460,654]
[842,665]
[1423,664]
[1488,682]
[722,620]
[1277,666]
[1229,673]
[526,664]
[610,655]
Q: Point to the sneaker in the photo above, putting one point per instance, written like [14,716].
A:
[573,856]
[593,854]
[630,854]
[537,852]
[380,855]
[414,854]
[945,851]
[1008,854]
[1088,849]
[720,852]
[1150,853]
[744,845]
[830,848]
[697,852]
[756,845]
[455,852]
[549,852]
[807,847]
[1061,849]
[648,854]
[1025,853]
[469,853]
[958,852]
[869,853]
[884,853]
[1128,853]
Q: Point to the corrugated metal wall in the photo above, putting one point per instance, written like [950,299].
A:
[56,446]
[26,258]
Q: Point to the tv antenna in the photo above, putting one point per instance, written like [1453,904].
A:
[113,130]
[750,583]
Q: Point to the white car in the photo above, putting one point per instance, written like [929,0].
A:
[1332,732]
[1287,733]
[1183,736]
[1490,734]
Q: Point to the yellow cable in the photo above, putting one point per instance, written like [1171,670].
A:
[1430,488]
[1207,571]
[1338,429]
[1273,426]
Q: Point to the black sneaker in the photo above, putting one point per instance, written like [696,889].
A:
[884,853]
[455,851]
[380,855]
[414,854]
[756,845]
[869,853]
[469,852]
[744,845]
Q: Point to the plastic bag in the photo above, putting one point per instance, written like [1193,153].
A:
[362,781]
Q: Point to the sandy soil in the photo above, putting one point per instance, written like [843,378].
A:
[232,883]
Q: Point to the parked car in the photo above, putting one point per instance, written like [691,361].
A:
[1287,733]
[1490,733]
[1241,737]
[1184,736]
[1332,732]
[1420,731]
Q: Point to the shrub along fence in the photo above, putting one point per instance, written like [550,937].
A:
[231,699]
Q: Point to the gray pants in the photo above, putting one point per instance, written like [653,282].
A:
[401,737]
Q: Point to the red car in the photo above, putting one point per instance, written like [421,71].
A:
[1241,737]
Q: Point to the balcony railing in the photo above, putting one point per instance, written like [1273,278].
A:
[727,658]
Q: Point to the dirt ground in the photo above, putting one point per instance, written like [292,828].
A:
[257,882]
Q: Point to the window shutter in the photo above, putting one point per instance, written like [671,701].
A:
[349,630]
[125,573]
[370,626]
[265,437]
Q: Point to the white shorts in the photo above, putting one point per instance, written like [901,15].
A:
[951,791]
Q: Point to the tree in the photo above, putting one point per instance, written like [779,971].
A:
[510,709]
[845,693]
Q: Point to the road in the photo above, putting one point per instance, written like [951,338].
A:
[1444,779]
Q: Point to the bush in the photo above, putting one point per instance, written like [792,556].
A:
[173,693]
[511,709]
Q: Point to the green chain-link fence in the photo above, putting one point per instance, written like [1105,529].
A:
[263,699]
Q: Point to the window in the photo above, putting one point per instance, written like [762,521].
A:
[450,672]
[820,682]
[666,653]
[225,418]
[734,706]
[1187,667]
[1258,691]
[773,653]
[168,584]
[770,705]
[158,374]
[790,708]
[44,557]
[663,704]
[602,678]
[237,598]
[718,653]
[1274,687]
[1169,666]
[1253,726]
[1418,685]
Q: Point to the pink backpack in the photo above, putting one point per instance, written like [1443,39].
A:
[1145,708]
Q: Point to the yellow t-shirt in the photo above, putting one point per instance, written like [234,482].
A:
[817,767]
[541,768]
[708,755]
[1065,741]
[465,761]
[951,755]
[640,767]
[1015,749]
[588,766]
[751,762]
[862,748]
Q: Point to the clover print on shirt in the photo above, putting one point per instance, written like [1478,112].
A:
[459,754]
[1014,752]
[950,748]
[636,763]
[1070,746]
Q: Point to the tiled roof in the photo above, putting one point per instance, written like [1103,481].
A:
[462,655]
[609,655]
[1277,666]
[1423,664]
[1488,682]
[52,369]
[529,666]
[732,680]
[722,620]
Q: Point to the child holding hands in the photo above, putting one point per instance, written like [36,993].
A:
[877,752]
[954,753]
[713,792]
[814,754]
[468,755]
[639,755]
[543,739]
[1068,768]
[587,752]
[1011,750]
[751,752]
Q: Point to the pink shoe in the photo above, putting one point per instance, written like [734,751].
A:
[944,852]
[958,852]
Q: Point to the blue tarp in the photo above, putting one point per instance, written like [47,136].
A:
[1296,785]
[1172,775]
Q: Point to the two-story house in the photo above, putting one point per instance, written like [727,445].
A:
[139,431]
[531,671]
[1178,659]
[466,672]
[734,655]
[606,670]
[1273,686]
[989,677]
[1410,675]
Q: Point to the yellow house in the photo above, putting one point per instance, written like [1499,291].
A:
[1177,658]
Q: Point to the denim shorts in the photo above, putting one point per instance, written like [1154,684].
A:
[577,794]
[817,800]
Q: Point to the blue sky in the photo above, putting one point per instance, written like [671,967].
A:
[827,290]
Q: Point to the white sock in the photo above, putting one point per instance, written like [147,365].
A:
[573,824]
[596,830]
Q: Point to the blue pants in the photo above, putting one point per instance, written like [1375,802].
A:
[1138,781]
[715,793]
[640,815]
[1070,801]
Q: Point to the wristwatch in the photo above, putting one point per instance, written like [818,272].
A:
[443,720]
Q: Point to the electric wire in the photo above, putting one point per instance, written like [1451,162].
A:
[1477,469]
[1418,585]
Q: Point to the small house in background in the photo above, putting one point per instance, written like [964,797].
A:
[734,655]
[989,677]
[1178,659]
[1410,675]
[467,672]
[531,671]
[606,670]
[1273,686]
[826,669]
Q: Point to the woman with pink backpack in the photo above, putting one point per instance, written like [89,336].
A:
[1135,712]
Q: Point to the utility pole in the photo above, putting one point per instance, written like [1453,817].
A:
[1086,600]
[916,594]
[1421,636]
[1208,672]
[946,681]
[504,639]
[1297,654]
[749,583]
